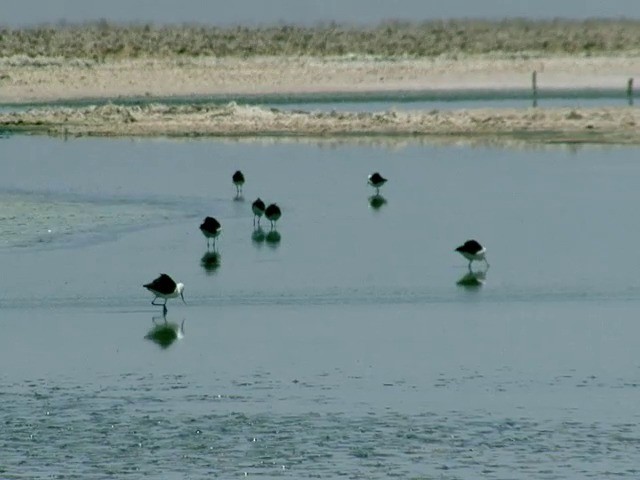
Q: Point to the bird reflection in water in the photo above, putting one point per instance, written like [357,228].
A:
[258,236]
[273,238]
[377,201]
[165,333]
[210,261]
[472,280]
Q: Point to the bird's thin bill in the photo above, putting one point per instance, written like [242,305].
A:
[182,297]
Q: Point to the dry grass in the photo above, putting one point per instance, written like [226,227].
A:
[102,41]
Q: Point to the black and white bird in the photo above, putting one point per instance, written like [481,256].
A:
[211,229]
[472,250]
[376,181]
[238,181]
[258,207]
[165,287]
[273,213]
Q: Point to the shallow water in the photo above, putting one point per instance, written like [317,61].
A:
[380,101]
[399,104]
[347,348]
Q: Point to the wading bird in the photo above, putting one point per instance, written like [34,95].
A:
[377,181]
[258,208]
[165,287]
[238,181]
[211,229]
[273,213]
[472,250]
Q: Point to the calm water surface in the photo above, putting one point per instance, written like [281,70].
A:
[379,101]
[345,347]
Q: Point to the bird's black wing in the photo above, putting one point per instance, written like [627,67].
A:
[210,224]
[163,284]
[272,210]
[472,246]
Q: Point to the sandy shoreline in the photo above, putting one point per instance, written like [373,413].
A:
[24,80]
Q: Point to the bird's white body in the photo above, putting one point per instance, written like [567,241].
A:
[478,256]
[176,293]
[209,234]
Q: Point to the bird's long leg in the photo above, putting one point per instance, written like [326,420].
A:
[470,262]
[164,305]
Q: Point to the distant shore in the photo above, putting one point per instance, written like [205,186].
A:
[54,80]
[108,63]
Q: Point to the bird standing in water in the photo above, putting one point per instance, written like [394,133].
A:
[258,208]
[376,181]
[165,287]
[273,214]
[472,250]
[238,181]
[211,229]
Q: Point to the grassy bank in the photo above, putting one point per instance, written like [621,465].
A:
[103,41]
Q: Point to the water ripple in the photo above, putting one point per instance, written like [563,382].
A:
[144,426]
